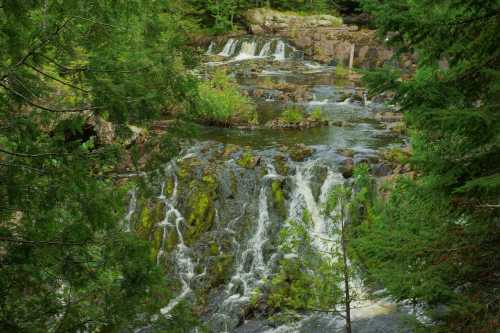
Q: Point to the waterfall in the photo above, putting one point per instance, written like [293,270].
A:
[280,51]
[211,48]
[247,50]
[132,206]
[266,49]
[303,198]
[229,48]
[251,267]
[183,262]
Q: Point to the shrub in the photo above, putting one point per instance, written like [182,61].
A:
[222,103]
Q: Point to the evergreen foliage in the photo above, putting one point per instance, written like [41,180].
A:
[66,264]
[436,239]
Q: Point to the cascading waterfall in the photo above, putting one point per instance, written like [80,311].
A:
[211,48]
[303,199]
[229,48]
[247,51]
[280,51]
[248,48]
[132,207]
[266,49]
[183,261]
[251,266]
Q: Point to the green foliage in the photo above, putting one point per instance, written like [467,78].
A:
[224,15]
[222,103]
[437,235]
[306,281]
[341,71]
[66,262]
[317,114]
[292,115]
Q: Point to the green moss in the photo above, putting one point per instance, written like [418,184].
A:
[396,155]
[234,182]
[201,216]
[214,249]
[247,160]
[278,197]
[280,164]
[220,269]
[169,186]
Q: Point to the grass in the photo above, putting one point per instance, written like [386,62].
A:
[292,115]
[317,114]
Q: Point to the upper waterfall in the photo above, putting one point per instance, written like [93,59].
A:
[254,47]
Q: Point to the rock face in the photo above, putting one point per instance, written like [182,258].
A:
[322,37]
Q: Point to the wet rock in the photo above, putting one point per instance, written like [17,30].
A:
[346,152]
[248,161]
[280,164]
[381,170]
[389,116]
[300,152]
[396,127]
[347,168]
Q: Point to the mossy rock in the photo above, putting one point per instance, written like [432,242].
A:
[300,152]
[281,165]
[150,214]
[200,204]
[278,197]
[229,150]
[248,161]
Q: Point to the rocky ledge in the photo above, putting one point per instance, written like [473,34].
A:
[322,37]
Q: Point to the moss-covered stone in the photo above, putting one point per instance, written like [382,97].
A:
[169,186]
[278,197]
[201,213]
[280,164]
[300,152]
[248,161]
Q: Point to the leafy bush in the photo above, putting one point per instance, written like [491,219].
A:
[222,103]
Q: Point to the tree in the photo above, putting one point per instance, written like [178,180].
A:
[436,239]
[66,263]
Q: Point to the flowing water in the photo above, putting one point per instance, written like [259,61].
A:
[219,233]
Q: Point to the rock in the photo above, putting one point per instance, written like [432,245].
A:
[389,116]
[104,130]
[300,152]
[346,152]
[347,168]
[381,170]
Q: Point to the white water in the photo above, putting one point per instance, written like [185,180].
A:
[229,48]
[266,49]
[211,48]
[247,51]
[182,258]
[279,53]
[132,206]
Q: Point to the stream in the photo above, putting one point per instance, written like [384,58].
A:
[222,205]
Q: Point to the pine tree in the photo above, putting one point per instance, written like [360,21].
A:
[66,263]
[435,240]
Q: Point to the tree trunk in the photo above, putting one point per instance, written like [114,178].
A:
[347,297]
